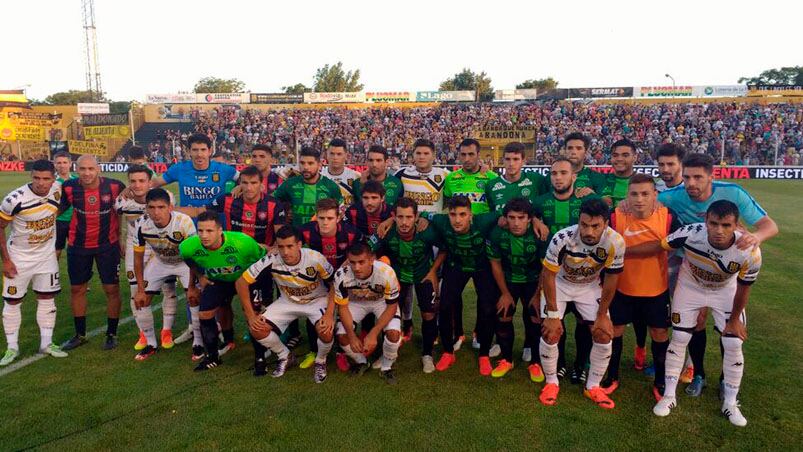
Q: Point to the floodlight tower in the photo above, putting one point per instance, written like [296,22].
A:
[90,36]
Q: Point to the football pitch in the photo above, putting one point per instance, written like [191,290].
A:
[96,400]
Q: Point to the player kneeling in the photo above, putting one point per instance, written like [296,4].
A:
[162,230]
[368,286]
[303,277]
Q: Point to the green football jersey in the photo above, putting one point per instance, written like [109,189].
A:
[226,263]
[394,189]
[464,251]
[616,188]
[586,177]
[499,192]
[67,214]
[557,214]
[302,197]
[520,256]
[470,185]
[410,259]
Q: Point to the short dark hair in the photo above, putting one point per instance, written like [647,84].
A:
[406,203]
[199,138]
[136,152]
[157,194]
[469,142]
[458,201]
[641,178]
[722,208]
[671,149]
[287,231]
[61,154]
[309,152]
[518,205]
[262,147]
[359,248]
[44,165]
[208,215]
[703,161]
[377,149]
[373,186]
[559,159]
[327,204]
[624,142]
[338,143]
[251,171]
[133,169]
[578,136]
[424,143]
[514,147]
[596,207]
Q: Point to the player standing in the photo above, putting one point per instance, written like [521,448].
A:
[63,164]
[378,171]
[336,156]
[370,209]
[623,157]
[301,193]
[513,183]
[423,183]
[469,181]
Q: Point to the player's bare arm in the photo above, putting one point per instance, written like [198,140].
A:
[766,228]
[432,274]
[9,269]
[735,326]
[140,298]
[505,299]
[256,323]
[552,328]
[372,338]
[347,321]
[603,325]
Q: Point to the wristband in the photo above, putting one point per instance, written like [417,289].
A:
[553,314]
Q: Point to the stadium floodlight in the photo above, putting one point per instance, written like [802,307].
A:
[671,78]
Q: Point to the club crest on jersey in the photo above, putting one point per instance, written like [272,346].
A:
[525,192]
[57,195]
[733,267]
[12,290]
[231,259]
[601,253]
[438,178]
[675,317]
[92,199]
[215,177]
[130,274]
[249,214]
[329,247]
[310,271]
[481,185]
[178,235]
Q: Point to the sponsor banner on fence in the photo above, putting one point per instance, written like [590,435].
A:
[445,96]
[222,98]
[553,94]
[663,91]
[599,93]
[775,90]
[104,120]
[92,108]
[32,118]
[512,95]
[505,135]
[120,131]
[390,96]
[170,98]
[276,98]
[97,148]
[334,98]
[29,133]
[720,91]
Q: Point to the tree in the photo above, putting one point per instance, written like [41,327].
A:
[543,84]
[468,80]
[72,97]
[298,88]
[219,85]
[333,79]
[784,76]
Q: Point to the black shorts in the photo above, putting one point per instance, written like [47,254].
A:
[522,292]
[652,310]
[62,231]
[424,294]
[79,265]
[217,294]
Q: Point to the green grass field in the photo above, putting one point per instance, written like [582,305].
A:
[106,400]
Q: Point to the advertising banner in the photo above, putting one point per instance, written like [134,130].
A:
[505,135]
[276,98]
[121,131]
[445,96]
[512,95]
[222,98]
[92,108]
[32,118]
[720,91]
[97,148]
[188,98]
[600,93]
[775,90]
[334,98]
[104,120]
[553,94]
[390,96]
[663,91]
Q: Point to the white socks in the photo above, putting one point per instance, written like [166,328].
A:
[274,343]
[12,319]
[598,363]
[46,319]
[675,360]
[549,361]
[358,358]
[323,349]
[732,368]
[390,351]
[169,304]
[144,317]
[196,326]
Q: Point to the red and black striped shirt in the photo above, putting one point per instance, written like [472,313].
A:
[271,183]
[357,216]
[333,248]
[254,219]
[95,224]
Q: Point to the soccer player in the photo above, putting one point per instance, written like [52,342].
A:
[262,159]
[94,237]
[670,166]
[513,183]
[378,171]
[464,237]
[367,286]
[216,259]
[423,182]
[469,181]
[300,193]
[336,156]
[587,181]
[690,202]
[642,293]
[623,157]
[715,274]
[574,262]
[514,255]
[303,277]
[370,209]
[161,230]
[63,164]
[28,258]
[410,253]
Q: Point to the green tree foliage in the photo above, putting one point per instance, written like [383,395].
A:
[334,79]
[298,88]
[542,84]
[468,80]
[219,85]
[790,75]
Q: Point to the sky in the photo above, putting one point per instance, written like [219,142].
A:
[165,46]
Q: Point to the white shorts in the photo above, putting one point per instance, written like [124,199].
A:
[360,309]
[157,273]
[129,261]
[688,299]
[43,275]
[585,297]
[282,312]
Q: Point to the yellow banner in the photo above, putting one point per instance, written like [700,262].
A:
[32,118]
[29,133]
[107,132]
[505,135]
[88,147]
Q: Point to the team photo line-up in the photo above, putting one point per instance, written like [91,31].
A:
[345,254]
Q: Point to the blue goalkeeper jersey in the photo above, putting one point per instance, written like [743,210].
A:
[690,211]
[199,187]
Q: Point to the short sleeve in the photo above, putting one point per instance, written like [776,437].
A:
[552,259]
[324,268]
[341,293]
[492,248]
[188,227]
[391,287]
[750,268]
[8,208]
[616,254]
[139,246]
[171,175]
[281,192]
[256,269]
[677,239]
[749,208]
[279,214]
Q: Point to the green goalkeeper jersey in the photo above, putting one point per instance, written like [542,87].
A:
[226,263]
[520,256]
[301,197]
[470,185]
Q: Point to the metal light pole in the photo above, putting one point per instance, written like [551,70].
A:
[671,78]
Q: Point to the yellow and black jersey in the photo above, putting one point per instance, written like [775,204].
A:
[33,222]
[381,285]
[164,242]
[425,188]
[301,283]
[578,263]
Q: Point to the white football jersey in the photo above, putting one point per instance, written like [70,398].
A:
[164,241]
[345,181]
[382,284]
[33,222]
[425,188]
[301,283]
[708,267]
[578,263]
[131,210]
